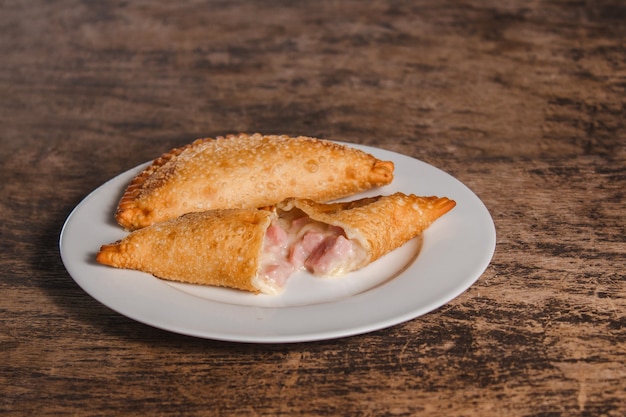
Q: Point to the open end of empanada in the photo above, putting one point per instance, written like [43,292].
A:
[294,242]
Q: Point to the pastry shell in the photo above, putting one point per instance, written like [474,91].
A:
[247,171]
[225,247]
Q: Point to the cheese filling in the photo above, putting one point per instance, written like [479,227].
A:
[298,243]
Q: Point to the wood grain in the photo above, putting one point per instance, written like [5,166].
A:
[522,101]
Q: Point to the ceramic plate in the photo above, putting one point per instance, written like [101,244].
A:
[413,280]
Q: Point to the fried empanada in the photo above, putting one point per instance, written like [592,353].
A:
[258,249]
[247,171]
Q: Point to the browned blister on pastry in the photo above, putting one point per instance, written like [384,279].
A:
[257,250]
[247,171]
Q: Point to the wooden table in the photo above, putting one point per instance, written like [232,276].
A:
[524,102]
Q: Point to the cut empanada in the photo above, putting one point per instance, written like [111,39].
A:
[247,171]
[258,249]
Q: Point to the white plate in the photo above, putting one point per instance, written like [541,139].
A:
[413,280]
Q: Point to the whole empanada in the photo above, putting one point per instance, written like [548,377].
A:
[247,171]
[258,249]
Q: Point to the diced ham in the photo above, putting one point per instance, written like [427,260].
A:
[298,255]
[276,236]
[312,240]
[329,256]
[275,268]
[302,249]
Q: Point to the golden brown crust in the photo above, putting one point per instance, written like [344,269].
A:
[224,247]
[247,171]
[381,224]
[220,248]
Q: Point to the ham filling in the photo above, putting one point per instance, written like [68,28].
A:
[301,243]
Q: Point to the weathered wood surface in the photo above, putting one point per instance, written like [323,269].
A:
[525,102]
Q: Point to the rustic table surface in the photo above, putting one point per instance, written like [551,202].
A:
[524,102]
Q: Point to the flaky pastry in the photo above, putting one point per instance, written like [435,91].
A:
[247,171]
[258,249]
